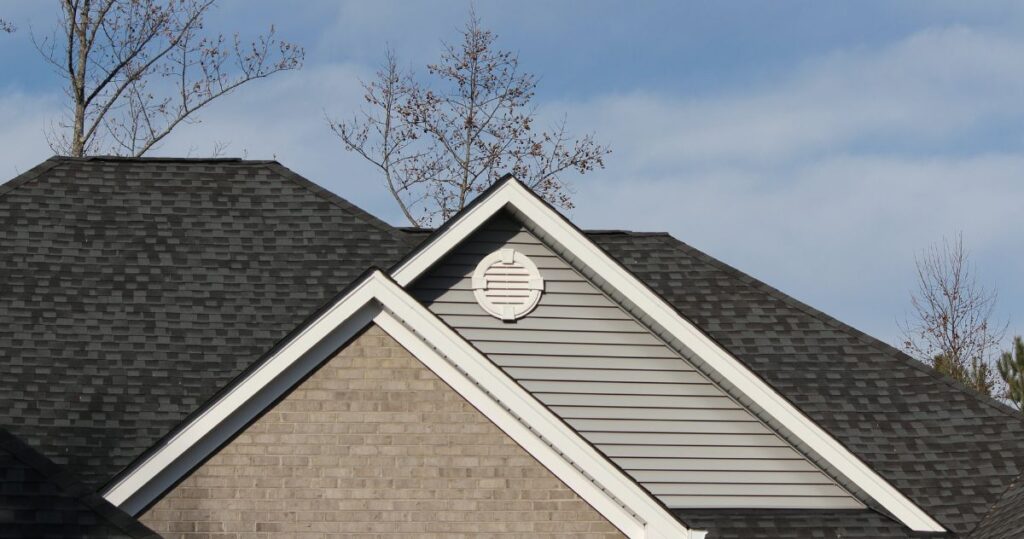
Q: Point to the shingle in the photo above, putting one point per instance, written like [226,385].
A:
[38,499]
[1006,518]
[132,290]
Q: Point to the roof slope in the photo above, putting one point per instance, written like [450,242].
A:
[1006,519]
[132,290]
[950,450]
[39,499]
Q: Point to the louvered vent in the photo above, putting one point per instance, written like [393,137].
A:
[507,284]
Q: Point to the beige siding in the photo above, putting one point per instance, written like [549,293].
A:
[374,445]
[672,429]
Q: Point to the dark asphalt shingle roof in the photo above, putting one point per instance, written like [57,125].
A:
[38,499]
[132,290]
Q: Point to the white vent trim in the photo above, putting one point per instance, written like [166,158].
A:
[507,284]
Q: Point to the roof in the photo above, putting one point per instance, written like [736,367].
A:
[39,499]
[950,450]
[133,290]
[1006,519]
[136,289]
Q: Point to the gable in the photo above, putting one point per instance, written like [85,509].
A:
[375,443]
[640,403]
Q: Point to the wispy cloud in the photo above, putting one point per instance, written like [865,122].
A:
[826,182]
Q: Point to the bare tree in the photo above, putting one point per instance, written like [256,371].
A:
[436,147]
[6,27]
[951,325]
[136,69]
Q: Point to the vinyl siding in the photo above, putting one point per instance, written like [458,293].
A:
[638,401]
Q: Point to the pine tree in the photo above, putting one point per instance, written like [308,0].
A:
[1011,368]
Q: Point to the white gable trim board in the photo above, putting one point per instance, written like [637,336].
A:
[378,299]
[512,195]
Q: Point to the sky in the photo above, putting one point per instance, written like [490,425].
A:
[814,145]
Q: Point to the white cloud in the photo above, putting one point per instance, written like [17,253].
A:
[930,86]
[826,183]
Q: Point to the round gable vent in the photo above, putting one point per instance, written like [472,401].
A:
[507,284]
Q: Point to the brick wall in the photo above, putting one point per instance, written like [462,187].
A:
[374,444]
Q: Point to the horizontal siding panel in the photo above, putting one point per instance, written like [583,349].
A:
[722,452]
[513,334]
[534,322]
[636,401]
[787,478]
[542,262]
[499,237]
[622,363]
[752,502]
[640,425]
[666,414]
[563,300]
[622,388]
[605,375]
[542,311]
[466,283]
[560,349]
[684,439]
[732,489]
[463,270]
[632,464]
[480,249]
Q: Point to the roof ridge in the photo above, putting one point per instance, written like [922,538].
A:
[162,159]
[861,336]
[29,175]
[336,200]
[998,500]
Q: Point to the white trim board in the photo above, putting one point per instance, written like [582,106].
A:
[511,194]
[378,299]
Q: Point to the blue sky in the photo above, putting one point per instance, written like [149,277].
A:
[815,145]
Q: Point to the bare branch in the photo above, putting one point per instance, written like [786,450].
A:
[136,69]
[951,325]
[436,147]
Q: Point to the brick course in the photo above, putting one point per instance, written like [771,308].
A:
[374,445]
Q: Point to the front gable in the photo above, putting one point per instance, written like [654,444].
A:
[652,413]
[374,442]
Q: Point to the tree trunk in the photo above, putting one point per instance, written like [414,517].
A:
[80,30]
